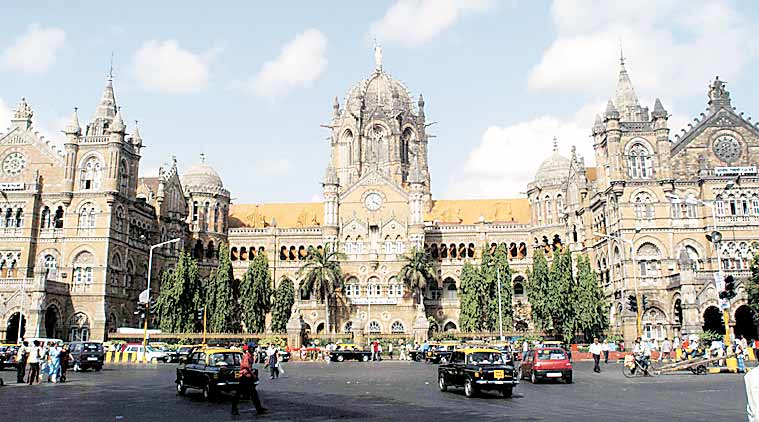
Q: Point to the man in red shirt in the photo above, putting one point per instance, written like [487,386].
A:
[248,380]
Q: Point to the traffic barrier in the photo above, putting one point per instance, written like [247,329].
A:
[122,357]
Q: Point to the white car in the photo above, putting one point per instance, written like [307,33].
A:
[153,354]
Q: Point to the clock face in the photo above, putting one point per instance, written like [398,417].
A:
[373,201]
[727,148]
[14,164]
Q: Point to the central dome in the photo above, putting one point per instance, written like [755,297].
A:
[379,91]
[201,174]
[553,170]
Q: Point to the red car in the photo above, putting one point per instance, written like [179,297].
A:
[546,363]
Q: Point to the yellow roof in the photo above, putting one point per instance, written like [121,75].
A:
[444,211]
[480,349]
[212,350]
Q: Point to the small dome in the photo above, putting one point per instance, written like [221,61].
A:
[201,174]
[554,170]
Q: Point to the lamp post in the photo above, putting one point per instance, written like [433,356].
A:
[147,301]
[639,310]
[500,308]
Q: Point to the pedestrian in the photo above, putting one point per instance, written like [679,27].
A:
[605,347]
[402,352]
[666,350]
[248,380]
[525,349]
[375,350]
[390,350]
[21,357]
[379,351]
[595,350]
[273,362]
[739,351]
[34,356]
[756,349]
[64,362]
[54,367]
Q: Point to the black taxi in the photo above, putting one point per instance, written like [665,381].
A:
[478,369]
[211,370]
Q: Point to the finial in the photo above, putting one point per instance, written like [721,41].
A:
[110,69]
[621,54]
[377,55]
[555,144]
[202,158]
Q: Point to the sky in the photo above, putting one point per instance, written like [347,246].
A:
[248,84]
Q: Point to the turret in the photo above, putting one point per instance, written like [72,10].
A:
[613,135]
[73,132]
[330,185]
[659,118]
[22,117]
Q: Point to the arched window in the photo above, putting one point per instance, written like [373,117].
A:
[51,266]
[123,177]
[87,217]
[549,210]
[45,218]
[19,220]
[406,140]
[450,290]
[374,327]
[216,217]
[119,223]
[194,211]
[720,206]
[348,327]
[83,264]
[210,251]
[9,217]
[518,289]
[58,220]
[350,158]
[644,208]
[91,173]
[206,216]
[648,256]
[755,205]
[640,162]
[397,328]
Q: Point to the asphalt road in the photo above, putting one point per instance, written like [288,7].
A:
[401,391]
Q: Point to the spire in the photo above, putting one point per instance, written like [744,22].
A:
[73,127]
[107,107]
[625,98]
[421,101]
[330,176]
[202,158]
[118,125]
[136,138]
[598,125]
[555,145]
[23,112]
[611,111]
[336,104]
[659,111]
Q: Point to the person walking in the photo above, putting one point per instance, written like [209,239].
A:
[595,350]
[375,350]
[402,352]
[390,350]
[605,348]
[666,350]
[248,381]
[54,367]
[21,357]
[739,351]
[65,355]
[525,349]
[273,362]
[34,356]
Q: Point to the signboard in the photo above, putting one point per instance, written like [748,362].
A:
[374,300]
[11,186]
[723,304]
[719,281]
[734,171]
[143,298]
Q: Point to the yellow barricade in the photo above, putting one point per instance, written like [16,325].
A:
[121,357]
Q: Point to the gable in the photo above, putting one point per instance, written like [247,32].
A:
[18,137]
[722,118]
[374,178]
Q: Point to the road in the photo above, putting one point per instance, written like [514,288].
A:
[377,391]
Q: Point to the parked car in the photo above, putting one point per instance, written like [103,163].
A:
[442,352]
[182,351]
[8,354]
[86,355]
[478,369]
[545,363]
[211,370]
[349,351]
[153,355]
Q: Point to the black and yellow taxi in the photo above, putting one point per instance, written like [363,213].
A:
[211,370]
[349,351]
[478,369]
[441,352]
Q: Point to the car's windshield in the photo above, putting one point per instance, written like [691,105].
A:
[232,359]
[483,358]
[151,350]
[551,354]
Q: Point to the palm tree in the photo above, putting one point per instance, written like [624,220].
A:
[417,272]
[322,275]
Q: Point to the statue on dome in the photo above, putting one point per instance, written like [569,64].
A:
[377,55]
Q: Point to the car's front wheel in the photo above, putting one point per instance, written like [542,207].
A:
[340,358]
[207,392]
[507,392]
[181,389]
[98,368]
[441,383]
[469,389]
[364,358]
[77,368]
[533,378]
[568,379]
[443,361]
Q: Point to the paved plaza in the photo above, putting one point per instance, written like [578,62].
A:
[378,391]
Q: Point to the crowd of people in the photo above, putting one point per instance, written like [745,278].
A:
[47,360]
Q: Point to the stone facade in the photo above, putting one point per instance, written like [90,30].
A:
[641,214]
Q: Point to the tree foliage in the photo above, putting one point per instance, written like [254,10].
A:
[322,275]
[538,291]
[494,268]
[417,272]
[752,287]
[220,296]
[471,309]
[561,308]
[255,294]
[180,297]
[284,298]
[590,308]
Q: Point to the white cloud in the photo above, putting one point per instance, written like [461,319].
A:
[164,66]
[5,116]
[508,156]
[275,167]
[660,39]
[34,51]
[301,61]
[414,22]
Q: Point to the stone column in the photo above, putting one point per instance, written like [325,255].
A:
[421,325]
[358,336]
[295,330]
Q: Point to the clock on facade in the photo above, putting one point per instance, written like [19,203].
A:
[373,201]
[14,163]
[727,148]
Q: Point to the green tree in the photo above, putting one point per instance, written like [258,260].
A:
[470,295]
[494,267]
[220,296]
[418,271]
[590,308]
[180,297]
[322,276]
[538,288]
[559,298]
[752,288]
[255,294]
[284,298]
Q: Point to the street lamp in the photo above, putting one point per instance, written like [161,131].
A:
[500,308]
[147,298]
[639,310]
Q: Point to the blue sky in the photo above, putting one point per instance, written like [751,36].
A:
[249,83]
